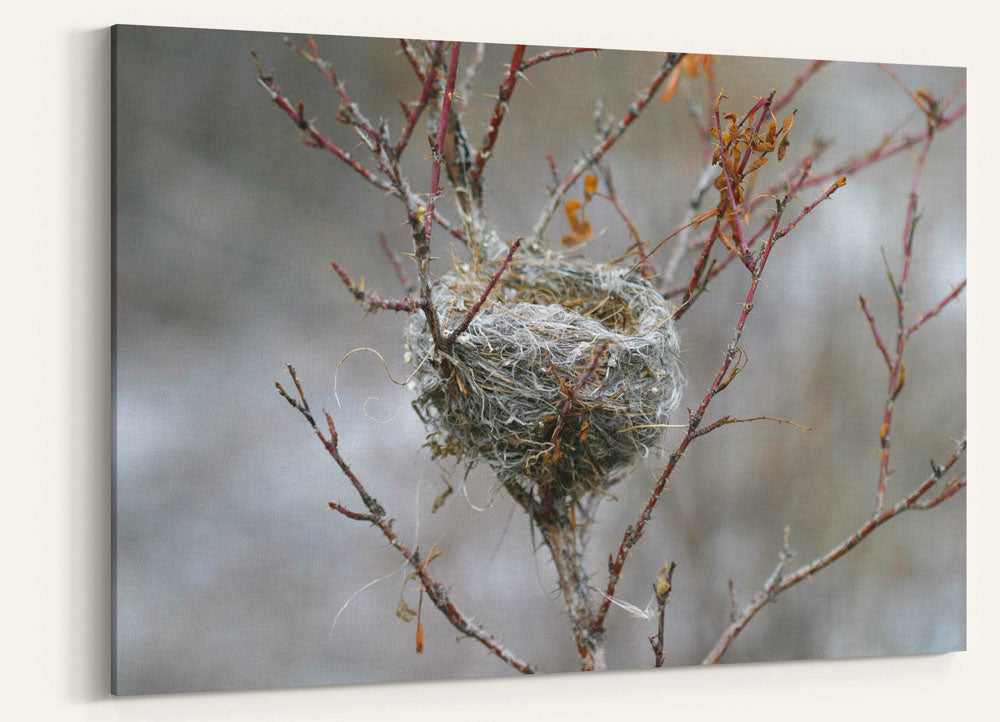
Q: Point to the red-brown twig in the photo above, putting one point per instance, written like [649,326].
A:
[356,516]
[687,290]
[552,54]
[422,236]
[727,420]
[425,96]
[412,59]
[499,110]
[373,301]
[397,264]
[797,84]
[648,270]
[317,140]
[887,150]
[662,589]
[350,112]
[779,582]
[377,516]
[597,152]
[927,316]
[879,343]
[897,370]
[575,391]
[722,380]
[839,183]
[464,324]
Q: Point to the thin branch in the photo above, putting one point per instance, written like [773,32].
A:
[464,88]
[723,378]
[797,84]
[778,582]
[412,59]
[317,140]
[377,516]
[927,316]
[879,343]
[464,324]
[662,589]
[425,96]
[897,371]
[887,149]
[597,152]
[575,391]
[373,301]
[422,237]
[499,110]
[397,264]
[552,54]
[727,420]
[356,516]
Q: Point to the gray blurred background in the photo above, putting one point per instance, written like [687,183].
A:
[231,571]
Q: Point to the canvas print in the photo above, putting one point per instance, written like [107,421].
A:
[436,359]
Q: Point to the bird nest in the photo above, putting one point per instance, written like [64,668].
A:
[508,391]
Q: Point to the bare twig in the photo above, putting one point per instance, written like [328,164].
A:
[662,589]
[464,324]
[597,152]
[425,96]
[778,582]
[552,54]
[797,84]
[373,301]
[927,316]
[499,110]
[897,370]
[377,516]
[722,380]
[574,392]
[397,263]
[422,236]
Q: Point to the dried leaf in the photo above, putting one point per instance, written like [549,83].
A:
[578,223]
[441,499]
[671,88]
[782,147]
[756,164]
[589,185]
[786,124]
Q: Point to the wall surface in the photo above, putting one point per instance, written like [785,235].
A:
[57,425]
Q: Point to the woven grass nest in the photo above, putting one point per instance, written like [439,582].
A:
[511,372]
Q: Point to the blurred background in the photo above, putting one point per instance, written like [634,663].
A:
[231,572]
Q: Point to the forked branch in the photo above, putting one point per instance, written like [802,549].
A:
[377,516]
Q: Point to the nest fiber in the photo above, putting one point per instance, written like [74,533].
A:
[499,393]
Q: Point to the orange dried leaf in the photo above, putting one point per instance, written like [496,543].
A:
[583,234]
[420,638]
[590,185]
[689,64]
[782,147]
[786,124]
[671,88]
[756,164]
[580,227]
